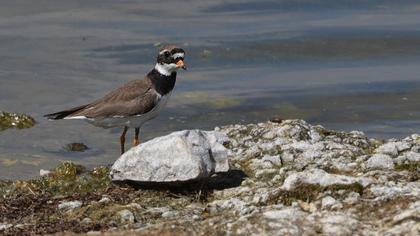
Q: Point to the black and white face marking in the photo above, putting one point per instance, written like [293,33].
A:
[170,61]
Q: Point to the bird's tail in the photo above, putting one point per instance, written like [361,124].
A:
[63,114]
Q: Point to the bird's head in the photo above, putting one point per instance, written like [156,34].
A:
[170,59]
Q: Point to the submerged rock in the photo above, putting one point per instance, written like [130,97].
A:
[14,120]
[76,147]
[181,156]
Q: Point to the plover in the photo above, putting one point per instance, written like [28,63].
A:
[134,103]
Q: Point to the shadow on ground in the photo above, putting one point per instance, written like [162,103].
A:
[219,181]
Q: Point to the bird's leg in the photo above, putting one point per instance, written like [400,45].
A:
[136,140]
[122,139]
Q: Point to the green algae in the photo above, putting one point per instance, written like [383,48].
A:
[15,120]
[66,179]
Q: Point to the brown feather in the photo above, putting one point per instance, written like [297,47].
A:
[135,97]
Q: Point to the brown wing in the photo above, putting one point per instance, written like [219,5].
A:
[136,97]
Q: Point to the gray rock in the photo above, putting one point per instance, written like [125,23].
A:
[392,191]
[328,202]
[388,149]
[402,146]
[380,161]
[125,217]
[105,200]
[409,156]
[320,177]
[86,220]
[180,156]
[69,206]
[170,214]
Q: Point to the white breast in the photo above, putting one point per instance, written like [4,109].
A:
[161,103]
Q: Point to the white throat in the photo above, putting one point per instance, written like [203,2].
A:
[166,69]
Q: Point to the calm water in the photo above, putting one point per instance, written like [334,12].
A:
[343,64]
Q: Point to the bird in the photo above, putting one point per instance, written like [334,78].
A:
[134,103]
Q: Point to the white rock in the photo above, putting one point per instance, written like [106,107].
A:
[69,206]
[328,202]
[409,156]
[105,200]
[402,146]
[275,160]
[320,177]
[170,214]
[126,216]
[388,149]
[380,161]
[314,135]
[391,192]
[179,156]
[43,172]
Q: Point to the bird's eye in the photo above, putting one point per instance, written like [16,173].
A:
[167,54]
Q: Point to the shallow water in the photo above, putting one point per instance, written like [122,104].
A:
[345,66]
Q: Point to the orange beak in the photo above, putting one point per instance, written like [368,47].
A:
[181,64]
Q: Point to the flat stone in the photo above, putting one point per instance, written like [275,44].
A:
[320,177]
[180,156]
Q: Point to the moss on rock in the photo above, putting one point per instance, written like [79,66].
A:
[14,120]
[66,179]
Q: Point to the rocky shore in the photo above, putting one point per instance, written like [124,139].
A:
[285,178]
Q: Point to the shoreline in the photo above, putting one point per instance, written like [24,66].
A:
[285,177]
